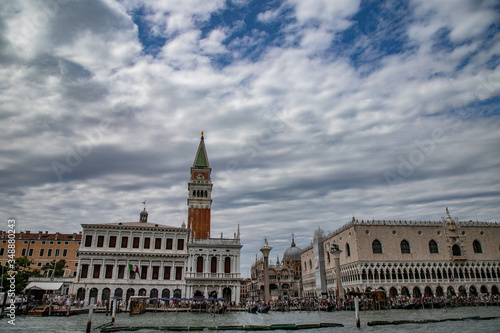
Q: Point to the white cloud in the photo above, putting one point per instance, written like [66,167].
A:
[465,19]
[213,43]
[330,13]
[268,16]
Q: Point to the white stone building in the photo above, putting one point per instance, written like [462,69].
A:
[406,258]
[108,252]
[171,261]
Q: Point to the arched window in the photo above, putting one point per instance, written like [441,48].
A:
[457,251]
[199,264]
[477,246]
[377,246]
[310,264]
[405,246]
[348,250]
[227,265]
[433,246]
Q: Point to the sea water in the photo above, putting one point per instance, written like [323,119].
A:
[78,323]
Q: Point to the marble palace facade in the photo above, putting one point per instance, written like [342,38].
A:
[403,258]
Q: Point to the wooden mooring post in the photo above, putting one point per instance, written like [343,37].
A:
[50,306]
[91,312]
[115,301]
[70,302]
[356,308]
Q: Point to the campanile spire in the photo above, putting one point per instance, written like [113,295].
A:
[200,194]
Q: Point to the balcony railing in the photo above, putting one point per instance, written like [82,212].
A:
[209,276]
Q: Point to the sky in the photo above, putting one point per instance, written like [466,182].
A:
[313,112]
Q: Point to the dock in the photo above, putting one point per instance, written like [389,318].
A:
[111,328]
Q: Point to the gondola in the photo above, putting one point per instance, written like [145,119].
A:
[253,309]
[264,309]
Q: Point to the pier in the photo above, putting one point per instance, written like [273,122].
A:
[109,328]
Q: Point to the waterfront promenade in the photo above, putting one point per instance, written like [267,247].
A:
[308,304]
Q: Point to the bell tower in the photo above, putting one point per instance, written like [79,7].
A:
[200,195]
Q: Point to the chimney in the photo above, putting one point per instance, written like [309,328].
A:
[57,235]
[28,232]
[46,232]
[74,236]
[39,235]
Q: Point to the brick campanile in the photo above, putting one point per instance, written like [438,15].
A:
[200,195]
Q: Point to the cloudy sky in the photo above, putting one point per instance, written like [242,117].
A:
[313,112]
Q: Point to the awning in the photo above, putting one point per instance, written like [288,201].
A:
[44,285]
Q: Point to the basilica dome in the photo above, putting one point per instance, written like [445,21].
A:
[292,253]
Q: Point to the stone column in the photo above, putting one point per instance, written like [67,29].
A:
[265,252]
[336,251]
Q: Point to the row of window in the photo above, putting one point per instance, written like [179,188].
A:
[121,273]
[43,242]
[80,294]
[213,265]
[200,193]
[405,248]
[124,242]
[432,274]
[39,264]
[433,247]
[56,253]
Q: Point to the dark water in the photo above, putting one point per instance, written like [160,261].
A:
[78,323]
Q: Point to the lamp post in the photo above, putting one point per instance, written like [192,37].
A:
[265,252]
[336,251]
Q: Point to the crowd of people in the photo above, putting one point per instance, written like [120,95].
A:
[368,303]
[62,302]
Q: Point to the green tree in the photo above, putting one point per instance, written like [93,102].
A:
[58,266]
[22,267]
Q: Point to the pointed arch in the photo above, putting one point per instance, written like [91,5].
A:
[477,246]
[376,246]
[433,246]
[456,250]
[405,246]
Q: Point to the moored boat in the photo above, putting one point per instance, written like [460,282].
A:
[39,311]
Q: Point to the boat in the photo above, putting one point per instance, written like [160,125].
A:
[253,309]
[264,309]
[137,305]
[39,311]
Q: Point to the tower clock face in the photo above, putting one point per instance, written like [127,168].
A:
[200,176]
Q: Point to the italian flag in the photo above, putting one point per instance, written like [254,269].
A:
[134,268]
